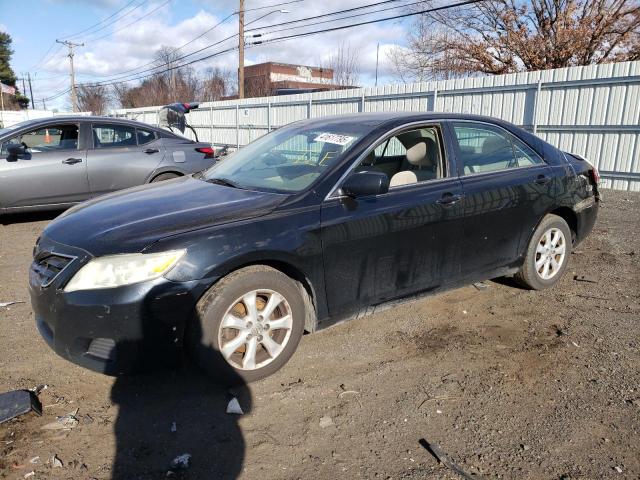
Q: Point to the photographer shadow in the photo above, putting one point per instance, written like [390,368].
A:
[150,404]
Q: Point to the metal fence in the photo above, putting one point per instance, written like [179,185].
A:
[593,111]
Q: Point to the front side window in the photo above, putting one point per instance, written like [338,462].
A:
[289,159]
[113,136]
[46,139]
[409,157]
[485,148]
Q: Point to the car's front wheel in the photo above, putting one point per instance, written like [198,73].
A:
[248,325]
[547,255]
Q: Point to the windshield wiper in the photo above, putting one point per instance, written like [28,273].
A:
[223,181]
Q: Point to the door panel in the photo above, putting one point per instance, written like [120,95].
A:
[507,188]
[499,209]
[385,247]
[117,161]
[53,171]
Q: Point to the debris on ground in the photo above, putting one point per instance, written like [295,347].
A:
[584,278]
[181,462]
[56,462]
[326,421]
[174,427]
[35,460]
[39,388]
[30,474]
[618,469]
[64,422]
[18,402]
[8,304]
[234,407]
[439,455]
[480,286]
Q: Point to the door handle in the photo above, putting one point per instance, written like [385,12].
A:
[449,199]
[542,179]
[151,150]
[71,161]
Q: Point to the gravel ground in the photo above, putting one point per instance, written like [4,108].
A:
[509,383]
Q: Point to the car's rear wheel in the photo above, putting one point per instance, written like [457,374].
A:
[164,176]
[547,255]
[248,325]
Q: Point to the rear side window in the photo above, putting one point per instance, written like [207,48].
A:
[111,136]
[484,148]
[46,139]
[145,136]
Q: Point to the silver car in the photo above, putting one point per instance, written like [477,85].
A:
[53,163]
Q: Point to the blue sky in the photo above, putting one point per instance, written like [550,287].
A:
[125,45]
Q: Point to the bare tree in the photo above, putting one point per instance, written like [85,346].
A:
[345,65]
[504,36]
[217,83]
[93,98]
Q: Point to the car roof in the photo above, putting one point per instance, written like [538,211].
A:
[86,118]
[379,118]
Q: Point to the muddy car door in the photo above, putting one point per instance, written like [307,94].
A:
[121,156]
[507,188]
[380,247]
[50,171]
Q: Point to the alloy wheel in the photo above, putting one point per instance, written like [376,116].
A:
[550,253]
[255,329]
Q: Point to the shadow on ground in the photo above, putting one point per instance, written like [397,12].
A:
[148,406]
[28,217]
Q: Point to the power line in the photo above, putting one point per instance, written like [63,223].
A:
[120,76]
[129,24]
[102,21]
[289,37]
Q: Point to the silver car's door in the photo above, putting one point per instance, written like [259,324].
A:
[51,172]
[121,156]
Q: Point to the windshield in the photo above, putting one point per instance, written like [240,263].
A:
[288,159]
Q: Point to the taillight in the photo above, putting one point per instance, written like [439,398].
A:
[595,175]
[208,151]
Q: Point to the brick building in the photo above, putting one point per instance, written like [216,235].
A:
[271,78]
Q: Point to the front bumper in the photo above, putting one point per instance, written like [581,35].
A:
[116,330]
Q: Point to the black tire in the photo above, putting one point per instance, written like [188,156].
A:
[203,336]
[165,176]
[528,276]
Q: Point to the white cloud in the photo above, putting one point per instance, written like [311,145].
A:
[135,46]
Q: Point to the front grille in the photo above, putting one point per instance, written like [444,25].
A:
[46,268]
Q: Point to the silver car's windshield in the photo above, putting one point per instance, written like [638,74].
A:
[286,160]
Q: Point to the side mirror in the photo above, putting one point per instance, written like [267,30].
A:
[15,151]
[366,183]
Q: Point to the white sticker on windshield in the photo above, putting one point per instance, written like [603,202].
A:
[333,138]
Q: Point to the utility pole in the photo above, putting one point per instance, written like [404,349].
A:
[74,97]
[33,106]
[241,50]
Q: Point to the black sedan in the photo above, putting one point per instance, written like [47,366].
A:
[317,222]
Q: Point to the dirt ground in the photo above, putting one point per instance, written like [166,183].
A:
[509,383]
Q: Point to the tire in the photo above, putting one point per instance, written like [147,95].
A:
[210,344]
[164,176]
[544,265]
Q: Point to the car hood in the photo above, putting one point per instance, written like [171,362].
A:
[130,220]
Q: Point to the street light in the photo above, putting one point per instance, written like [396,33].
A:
[241,43]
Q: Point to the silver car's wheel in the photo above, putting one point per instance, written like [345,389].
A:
[255,329]
[550,253]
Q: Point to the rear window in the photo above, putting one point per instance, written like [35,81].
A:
[111,136]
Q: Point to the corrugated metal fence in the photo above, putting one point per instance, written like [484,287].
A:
[593,111]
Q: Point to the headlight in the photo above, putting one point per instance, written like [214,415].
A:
[117,270]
